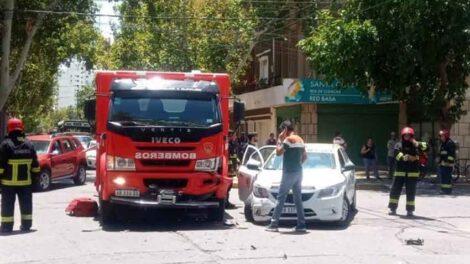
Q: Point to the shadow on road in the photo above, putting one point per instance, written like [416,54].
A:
[311,225]
[135,220]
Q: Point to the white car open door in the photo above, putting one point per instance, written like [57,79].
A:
[252,162]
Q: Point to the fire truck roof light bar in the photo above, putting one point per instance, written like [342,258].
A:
[162,84]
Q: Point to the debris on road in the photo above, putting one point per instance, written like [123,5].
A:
[415,242]
[253,247]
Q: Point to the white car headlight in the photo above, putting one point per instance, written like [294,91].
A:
[260,192]
[207,164]
[119,163]
[331,191]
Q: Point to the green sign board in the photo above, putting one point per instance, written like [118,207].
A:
[320,92]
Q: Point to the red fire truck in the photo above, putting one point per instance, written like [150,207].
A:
[162,140]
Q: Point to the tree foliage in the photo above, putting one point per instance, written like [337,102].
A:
[59,39]
[419,51]
[181,35]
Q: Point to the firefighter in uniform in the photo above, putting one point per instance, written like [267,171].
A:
[407,170]
[18,166]
[233,163]
[446,161]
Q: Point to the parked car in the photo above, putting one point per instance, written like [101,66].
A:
[60,157]
[91,155]
[328,185]
[85,139]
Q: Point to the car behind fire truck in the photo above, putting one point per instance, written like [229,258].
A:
[161,140]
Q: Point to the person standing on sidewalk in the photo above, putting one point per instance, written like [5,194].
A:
[292,147]
[407,172]
[338,139]
[391,154]
[369,156]
[18,166]
[271,140]
[446,161]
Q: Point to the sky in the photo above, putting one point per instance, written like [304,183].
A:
[104,23]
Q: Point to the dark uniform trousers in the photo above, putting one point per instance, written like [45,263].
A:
[410,186]
[25,197]
[447,162]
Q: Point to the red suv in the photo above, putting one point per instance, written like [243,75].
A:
[60,157]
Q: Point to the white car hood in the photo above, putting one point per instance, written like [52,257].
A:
[318,178]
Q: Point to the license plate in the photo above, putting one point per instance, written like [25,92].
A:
[166,197]
[127,193]
[289,210]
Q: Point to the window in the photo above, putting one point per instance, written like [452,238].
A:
[67,145]
[263,68]
[56,147]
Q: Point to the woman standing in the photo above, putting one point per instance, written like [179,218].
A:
[369,155]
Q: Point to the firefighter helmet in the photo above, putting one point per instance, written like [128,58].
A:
[445,133]
[15,124]
[407,131]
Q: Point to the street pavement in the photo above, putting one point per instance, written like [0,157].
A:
[442,222]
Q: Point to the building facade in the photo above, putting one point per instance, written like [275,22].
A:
[70,80]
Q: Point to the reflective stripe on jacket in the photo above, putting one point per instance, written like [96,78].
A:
[409,168]
[18,162]
[447,153]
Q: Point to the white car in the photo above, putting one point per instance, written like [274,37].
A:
[328,185]
[90,153]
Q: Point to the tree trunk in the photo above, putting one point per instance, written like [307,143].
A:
[444,118]
[6,39]
[8,82]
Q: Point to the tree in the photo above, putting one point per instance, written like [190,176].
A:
[57,39]
[181,35]
[419,51]
[83,94]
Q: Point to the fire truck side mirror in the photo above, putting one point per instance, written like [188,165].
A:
[90,110]
[238,111]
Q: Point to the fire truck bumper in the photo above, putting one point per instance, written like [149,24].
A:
[164,203]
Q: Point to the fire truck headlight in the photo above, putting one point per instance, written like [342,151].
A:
[119,181]
[119,163]
[207,164]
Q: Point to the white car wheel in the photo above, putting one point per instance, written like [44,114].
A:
[345,212]
[248,213]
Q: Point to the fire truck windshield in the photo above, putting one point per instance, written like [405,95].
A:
[167,109]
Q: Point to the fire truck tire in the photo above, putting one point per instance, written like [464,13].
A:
[217,214]
[107,215]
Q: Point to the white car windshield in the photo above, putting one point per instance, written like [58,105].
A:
[315,160]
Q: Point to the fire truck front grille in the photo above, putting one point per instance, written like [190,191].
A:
[166,163]
[151,148]
[166,183]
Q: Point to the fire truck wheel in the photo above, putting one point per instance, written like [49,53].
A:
[217,214]
[107,215]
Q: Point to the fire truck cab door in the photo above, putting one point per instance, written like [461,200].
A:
[252,163]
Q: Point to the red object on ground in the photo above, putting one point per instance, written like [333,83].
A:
[83,206]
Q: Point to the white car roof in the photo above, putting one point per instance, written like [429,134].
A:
[322,147]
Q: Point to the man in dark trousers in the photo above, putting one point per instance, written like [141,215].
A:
[18,166]
[292,147]
[446,161]
[407,170]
